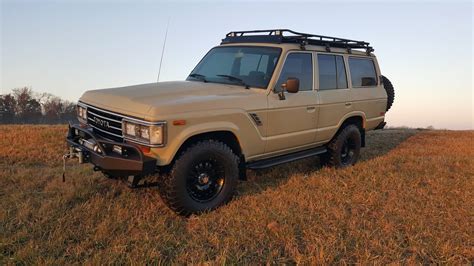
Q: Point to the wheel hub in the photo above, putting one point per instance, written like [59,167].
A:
[347,151]
[203,178]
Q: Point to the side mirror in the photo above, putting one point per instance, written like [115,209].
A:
[292,85]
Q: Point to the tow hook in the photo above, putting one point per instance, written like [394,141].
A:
[73,153]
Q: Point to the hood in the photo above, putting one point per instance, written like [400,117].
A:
[146,101]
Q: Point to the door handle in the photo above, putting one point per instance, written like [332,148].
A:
[348,104]
[310,109]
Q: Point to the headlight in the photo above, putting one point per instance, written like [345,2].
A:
[82,113]
[146,134]
[131,129]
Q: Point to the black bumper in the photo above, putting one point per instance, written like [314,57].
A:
[105,155]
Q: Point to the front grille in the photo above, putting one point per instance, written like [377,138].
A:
[105,124]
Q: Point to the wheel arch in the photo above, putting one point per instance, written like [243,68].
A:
[225,136]
[357,119]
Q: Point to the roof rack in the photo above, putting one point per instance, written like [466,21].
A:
[278,36]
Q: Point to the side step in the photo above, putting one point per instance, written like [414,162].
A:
[265,163]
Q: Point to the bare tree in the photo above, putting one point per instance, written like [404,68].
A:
[28,109]
[69,112]
[52,109]
[57,110]
[7,109]
[26,106]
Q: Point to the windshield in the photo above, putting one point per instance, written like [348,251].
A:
[247,66]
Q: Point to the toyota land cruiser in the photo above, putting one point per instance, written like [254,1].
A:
[259,99]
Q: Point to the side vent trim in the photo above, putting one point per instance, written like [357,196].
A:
[256,119]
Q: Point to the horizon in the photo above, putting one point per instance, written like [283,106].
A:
[70,47]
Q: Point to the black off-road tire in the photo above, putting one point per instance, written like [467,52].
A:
[178,187]
[390,91]
[336,149]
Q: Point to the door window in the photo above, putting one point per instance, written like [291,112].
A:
[332,72]
[300,66]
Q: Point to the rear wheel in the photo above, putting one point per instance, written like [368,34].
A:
[203,178]
[344,149]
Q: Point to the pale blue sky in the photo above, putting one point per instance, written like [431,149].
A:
[67,47]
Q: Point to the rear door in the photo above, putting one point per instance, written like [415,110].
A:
[334,94]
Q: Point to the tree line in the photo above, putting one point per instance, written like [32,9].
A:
[24,106]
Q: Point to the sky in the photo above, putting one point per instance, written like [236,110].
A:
[67,47]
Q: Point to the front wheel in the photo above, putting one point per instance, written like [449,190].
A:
[344,149]
[203,178]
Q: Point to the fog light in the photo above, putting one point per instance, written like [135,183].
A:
[97,149]
[117,149]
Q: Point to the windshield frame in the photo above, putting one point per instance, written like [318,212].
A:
[279,49]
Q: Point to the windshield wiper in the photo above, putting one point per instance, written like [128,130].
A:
[198,76]
[232,78]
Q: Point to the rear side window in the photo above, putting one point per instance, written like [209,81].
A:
[332,72]
[362,72]
[300,66]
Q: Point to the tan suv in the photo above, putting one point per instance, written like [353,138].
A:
[259,99]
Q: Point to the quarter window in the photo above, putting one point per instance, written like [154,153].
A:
[300,66]
[362,72]
[332,72]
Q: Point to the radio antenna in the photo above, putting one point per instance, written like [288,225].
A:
[163,50]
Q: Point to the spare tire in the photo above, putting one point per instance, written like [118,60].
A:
[390,91]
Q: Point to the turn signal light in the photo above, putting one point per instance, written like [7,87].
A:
[144,149]
[179,122]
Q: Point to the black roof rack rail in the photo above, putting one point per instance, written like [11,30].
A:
[278,36]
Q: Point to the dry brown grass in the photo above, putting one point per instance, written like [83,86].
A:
[410,200]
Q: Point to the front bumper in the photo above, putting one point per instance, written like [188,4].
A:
[114,158]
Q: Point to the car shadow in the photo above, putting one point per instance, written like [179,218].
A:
[378,143]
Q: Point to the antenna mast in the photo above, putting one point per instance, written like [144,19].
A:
[163,50]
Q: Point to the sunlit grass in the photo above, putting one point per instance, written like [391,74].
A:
[409,200]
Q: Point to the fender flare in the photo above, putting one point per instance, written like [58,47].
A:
[199,129]
[353,114]
[350,115]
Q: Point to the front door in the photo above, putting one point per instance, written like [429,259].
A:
[292,121]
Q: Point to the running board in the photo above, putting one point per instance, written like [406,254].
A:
[381,125]
[265,163]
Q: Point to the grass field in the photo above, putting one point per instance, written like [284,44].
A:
[410,199]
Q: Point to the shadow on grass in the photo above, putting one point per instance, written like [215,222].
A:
[378,143]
